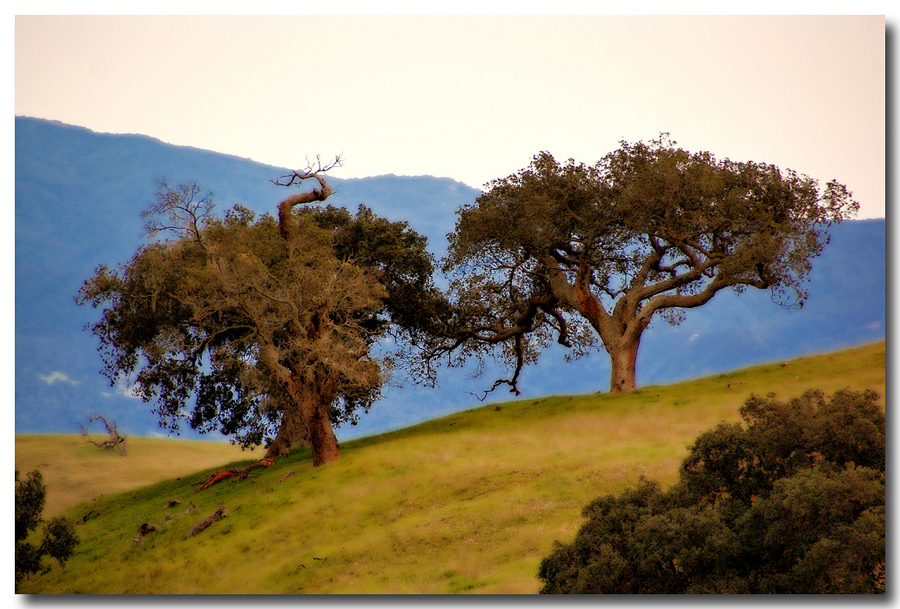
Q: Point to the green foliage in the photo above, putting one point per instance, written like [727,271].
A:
[58,540]
[579,253]
[252,326]
[395,254]
[793,502]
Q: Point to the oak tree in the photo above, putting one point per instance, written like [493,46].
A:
[576,253]
[792,501]
[262,328]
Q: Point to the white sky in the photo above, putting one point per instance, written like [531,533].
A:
[472,97]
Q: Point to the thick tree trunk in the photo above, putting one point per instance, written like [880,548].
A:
[291,434]
[619,334]
[623,377]
[306,422]
[321,435]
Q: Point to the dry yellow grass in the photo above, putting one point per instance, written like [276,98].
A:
[75,471]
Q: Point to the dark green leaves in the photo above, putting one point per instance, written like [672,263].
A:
[208,324]
[650,228]
[793,502]
[57,540]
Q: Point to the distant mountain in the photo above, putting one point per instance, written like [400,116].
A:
[79,195]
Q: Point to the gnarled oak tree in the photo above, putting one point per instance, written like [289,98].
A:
[252,325]
[576,252]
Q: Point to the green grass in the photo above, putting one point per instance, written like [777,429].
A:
[75,471]
[469,503]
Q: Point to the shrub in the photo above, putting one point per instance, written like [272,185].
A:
[58,539]
[791,502]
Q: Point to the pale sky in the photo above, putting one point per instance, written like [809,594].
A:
[472,97]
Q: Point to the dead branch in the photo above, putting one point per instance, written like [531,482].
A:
[90,516]
[218,515]
[285,224]
[310,172]
[116,440]
[240,474]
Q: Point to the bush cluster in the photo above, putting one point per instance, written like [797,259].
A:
[58,540]
[791,502]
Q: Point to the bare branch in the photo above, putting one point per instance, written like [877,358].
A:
[285,224]
[181,210]
[115,440]
[311,171]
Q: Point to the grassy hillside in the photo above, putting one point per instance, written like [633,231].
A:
[75,471]
[469,503]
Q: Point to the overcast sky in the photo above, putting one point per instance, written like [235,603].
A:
[472,98]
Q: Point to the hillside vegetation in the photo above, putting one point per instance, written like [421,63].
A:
[75,471]
[469,503]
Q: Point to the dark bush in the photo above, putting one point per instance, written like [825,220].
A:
[793,502]
[58,539]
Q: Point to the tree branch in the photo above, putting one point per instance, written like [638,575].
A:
[309,172]
[285,225]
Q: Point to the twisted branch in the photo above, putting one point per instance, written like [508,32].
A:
[285,225]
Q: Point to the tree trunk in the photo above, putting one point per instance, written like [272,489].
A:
[321,435]
[623,377]
[306,422]
[307,417]
[291,434]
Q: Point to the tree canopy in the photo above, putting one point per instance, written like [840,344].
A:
[576,253]
[791,502]
[261,328]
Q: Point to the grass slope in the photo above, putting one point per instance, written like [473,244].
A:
[469,503]
[75,471]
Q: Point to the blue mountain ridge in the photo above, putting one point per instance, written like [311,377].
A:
[78,199]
